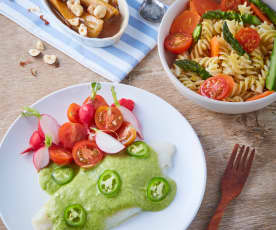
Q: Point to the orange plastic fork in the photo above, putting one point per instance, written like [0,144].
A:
[233,180]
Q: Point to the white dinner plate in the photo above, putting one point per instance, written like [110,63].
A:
[21,196]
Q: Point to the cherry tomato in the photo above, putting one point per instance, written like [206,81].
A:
[60,156]
[248,38]
[73,113]
[215,88]
[226,5]
[70,133]
[86,154]
[97,102]
[178,43]
[126,134]
[108,118]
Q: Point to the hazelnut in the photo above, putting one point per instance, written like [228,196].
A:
[100,11]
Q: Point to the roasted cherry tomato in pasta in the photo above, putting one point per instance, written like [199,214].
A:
[60,155]
[248,38]
[186,22]
[178,43]
[226,5]
[86,154]
[108,118]
[126,133]
[109,183]
[97,101]
[158,189]
[215,88]
[75,215]
[73,113]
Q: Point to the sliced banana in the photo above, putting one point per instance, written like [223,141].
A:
[83,30]
[50,59]
[34,52]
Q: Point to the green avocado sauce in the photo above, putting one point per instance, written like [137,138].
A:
[135,174]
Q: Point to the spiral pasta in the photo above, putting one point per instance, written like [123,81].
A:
[201,49]
[248,71]
[267,33]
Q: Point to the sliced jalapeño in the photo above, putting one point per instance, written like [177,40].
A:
[138,149]
[75,215]
[63,175]
[158,189]
[109,183]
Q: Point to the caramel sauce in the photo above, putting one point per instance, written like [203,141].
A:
[110,28]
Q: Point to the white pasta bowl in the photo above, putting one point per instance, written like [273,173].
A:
[210,104]
[93,42]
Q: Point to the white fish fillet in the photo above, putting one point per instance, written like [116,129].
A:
[165,153]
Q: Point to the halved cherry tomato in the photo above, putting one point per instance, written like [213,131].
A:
[248,38]
[178,43]
[86,154]
[70,133]
[97,102]
[126,134]
[230,82]
[186,22]
[201,7]
[108,118]
[60,155]
[215,88]
[73,113]
[226,5]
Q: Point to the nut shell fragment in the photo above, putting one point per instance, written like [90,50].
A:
[50,59]
[34,52]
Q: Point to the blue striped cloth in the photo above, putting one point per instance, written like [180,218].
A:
[114,62]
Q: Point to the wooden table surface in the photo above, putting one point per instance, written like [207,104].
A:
[255,209]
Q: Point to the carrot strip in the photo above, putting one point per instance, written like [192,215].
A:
[259,13]
[265,94]
[214,47]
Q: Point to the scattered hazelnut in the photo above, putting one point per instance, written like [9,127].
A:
[83,30]
[34,52]
[77,10]
[100,11]
[39,45]
[50,59]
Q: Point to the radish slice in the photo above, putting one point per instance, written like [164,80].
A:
[130,117]
[49,126]
[41,158]
[107,143]
[36,141]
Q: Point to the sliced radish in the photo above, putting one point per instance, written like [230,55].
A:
[130,117]
[41,158]
[35,142]
[49,126]
[127,114]
[107,143]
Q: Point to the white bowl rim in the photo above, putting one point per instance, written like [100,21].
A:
[161,52]
[119,34]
